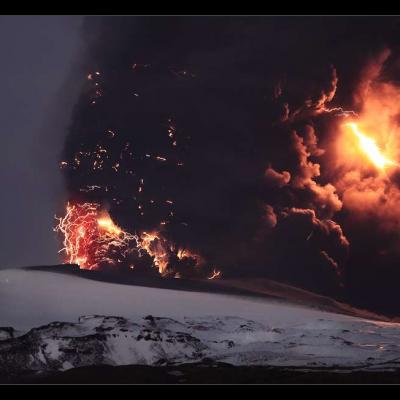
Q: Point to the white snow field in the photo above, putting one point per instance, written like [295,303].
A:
[191,326]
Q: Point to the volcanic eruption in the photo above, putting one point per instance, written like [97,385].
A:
[204,155]
[93,241]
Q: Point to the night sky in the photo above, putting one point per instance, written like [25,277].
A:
[225,134]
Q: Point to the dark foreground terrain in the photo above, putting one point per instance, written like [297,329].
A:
[204,374]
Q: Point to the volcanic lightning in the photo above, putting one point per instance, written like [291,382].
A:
[370,148]
[90,236]
[92,240]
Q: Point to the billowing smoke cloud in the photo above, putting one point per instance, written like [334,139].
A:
[226,135]
[301,236]
[275,178]
[316,102]
[271,218]
[323,197]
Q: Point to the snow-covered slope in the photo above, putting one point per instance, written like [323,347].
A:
[136,325]
[30,298]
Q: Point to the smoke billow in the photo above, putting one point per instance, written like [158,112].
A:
[224,134]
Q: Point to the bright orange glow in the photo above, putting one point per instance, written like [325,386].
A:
[157,248]
[92,239]
[88,236]
[367,157]
[182,253]
[371,138]
[369,147]
[185,253]
[105,223]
